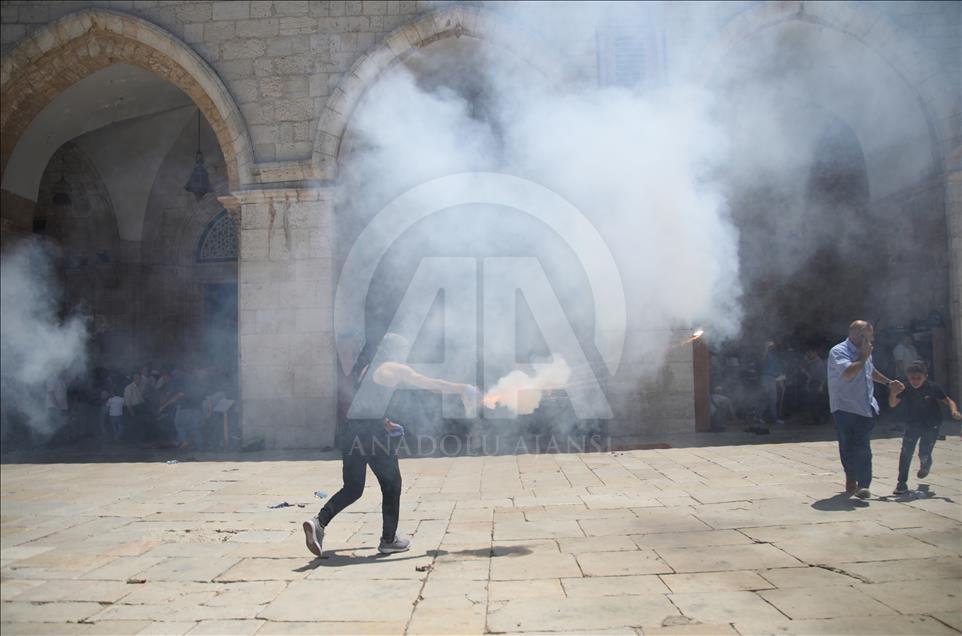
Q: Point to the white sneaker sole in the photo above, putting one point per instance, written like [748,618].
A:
[310,540]
[393,550]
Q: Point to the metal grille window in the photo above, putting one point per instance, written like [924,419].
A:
[631,47]
[220,241]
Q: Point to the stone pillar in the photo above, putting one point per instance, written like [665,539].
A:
[953,221]
[285,322]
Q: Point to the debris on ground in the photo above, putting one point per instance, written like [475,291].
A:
[172,461]
[320,494]
[423,568]
[284,504]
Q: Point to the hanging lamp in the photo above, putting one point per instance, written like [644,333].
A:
[199,181]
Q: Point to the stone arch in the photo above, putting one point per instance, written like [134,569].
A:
[918,71]
[451,21]
[71,48]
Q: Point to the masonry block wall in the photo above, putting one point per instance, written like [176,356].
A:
[278,82]
[285,323]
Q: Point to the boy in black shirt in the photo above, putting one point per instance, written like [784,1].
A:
[922,419]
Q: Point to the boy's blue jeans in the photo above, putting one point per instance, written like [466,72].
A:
[854,445]
[923,434]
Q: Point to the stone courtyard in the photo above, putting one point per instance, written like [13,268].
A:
[712,540]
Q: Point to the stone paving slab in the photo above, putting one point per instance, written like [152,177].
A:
[707,540]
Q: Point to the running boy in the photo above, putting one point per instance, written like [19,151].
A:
[922,419]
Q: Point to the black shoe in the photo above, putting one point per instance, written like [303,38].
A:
[924,470]
[901,488]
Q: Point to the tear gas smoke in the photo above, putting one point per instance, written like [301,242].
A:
[36,341]
[521,393]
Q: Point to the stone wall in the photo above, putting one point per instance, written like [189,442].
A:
[280,60]
[295,69]
[286,338]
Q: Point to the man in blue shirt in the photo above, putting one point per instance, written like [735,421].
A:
[851,397]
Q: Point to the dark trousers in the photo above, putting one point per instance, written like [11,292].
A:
[854,445]
[922,434]
[354,470]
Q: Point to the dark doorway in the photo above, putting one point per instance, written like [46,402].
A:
[220,327]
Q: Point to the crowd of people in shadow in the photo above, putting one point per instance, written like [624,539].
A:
[758,388]
[174,408]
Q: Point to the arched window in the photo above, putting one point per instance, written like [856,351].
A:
[219,242]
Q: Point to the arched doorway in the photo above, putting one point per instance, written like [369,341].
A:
[819,189]
[102,124]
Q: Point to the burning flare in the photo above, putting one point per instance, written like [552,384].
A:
[698,333]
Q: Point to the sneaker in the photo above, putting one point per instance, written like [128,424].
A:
[924,470]
[390,547]
[901,488]
[863,493]
[850,486]
[314,535]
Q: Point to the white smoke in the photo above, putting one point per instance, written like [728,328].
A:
[521,393]
[637,165]
[37,343]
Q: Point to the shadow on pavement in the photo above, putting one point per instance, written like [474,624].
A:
[842,502]
[346,556]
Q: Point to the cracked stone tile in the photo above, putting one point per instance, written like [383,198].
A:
[189,569]
[530,588]
[876,625]
[299,601]
[11,588]
[227,627]
[725,607]
[283,628]
[806,577]
[595,586]
[920,597]
[122,568]
[734,557]
[612,543]
[268,570]
[740,580]
[799,603]
[80,591]
[167,628]
[19,612]
[622,563]
[579,614]
[691,539]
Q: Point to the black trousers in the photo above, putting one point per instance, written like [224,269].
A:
[354,470]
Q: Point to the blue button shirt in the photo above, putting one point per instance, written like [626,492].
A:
[852,396]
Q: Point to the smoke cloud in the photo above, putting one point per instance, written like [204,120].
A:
[37,342]
[641,166]
[728,189]
[521,393]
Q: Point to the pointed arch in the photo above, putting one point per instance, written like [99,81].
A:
[71,48]
[450,21]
